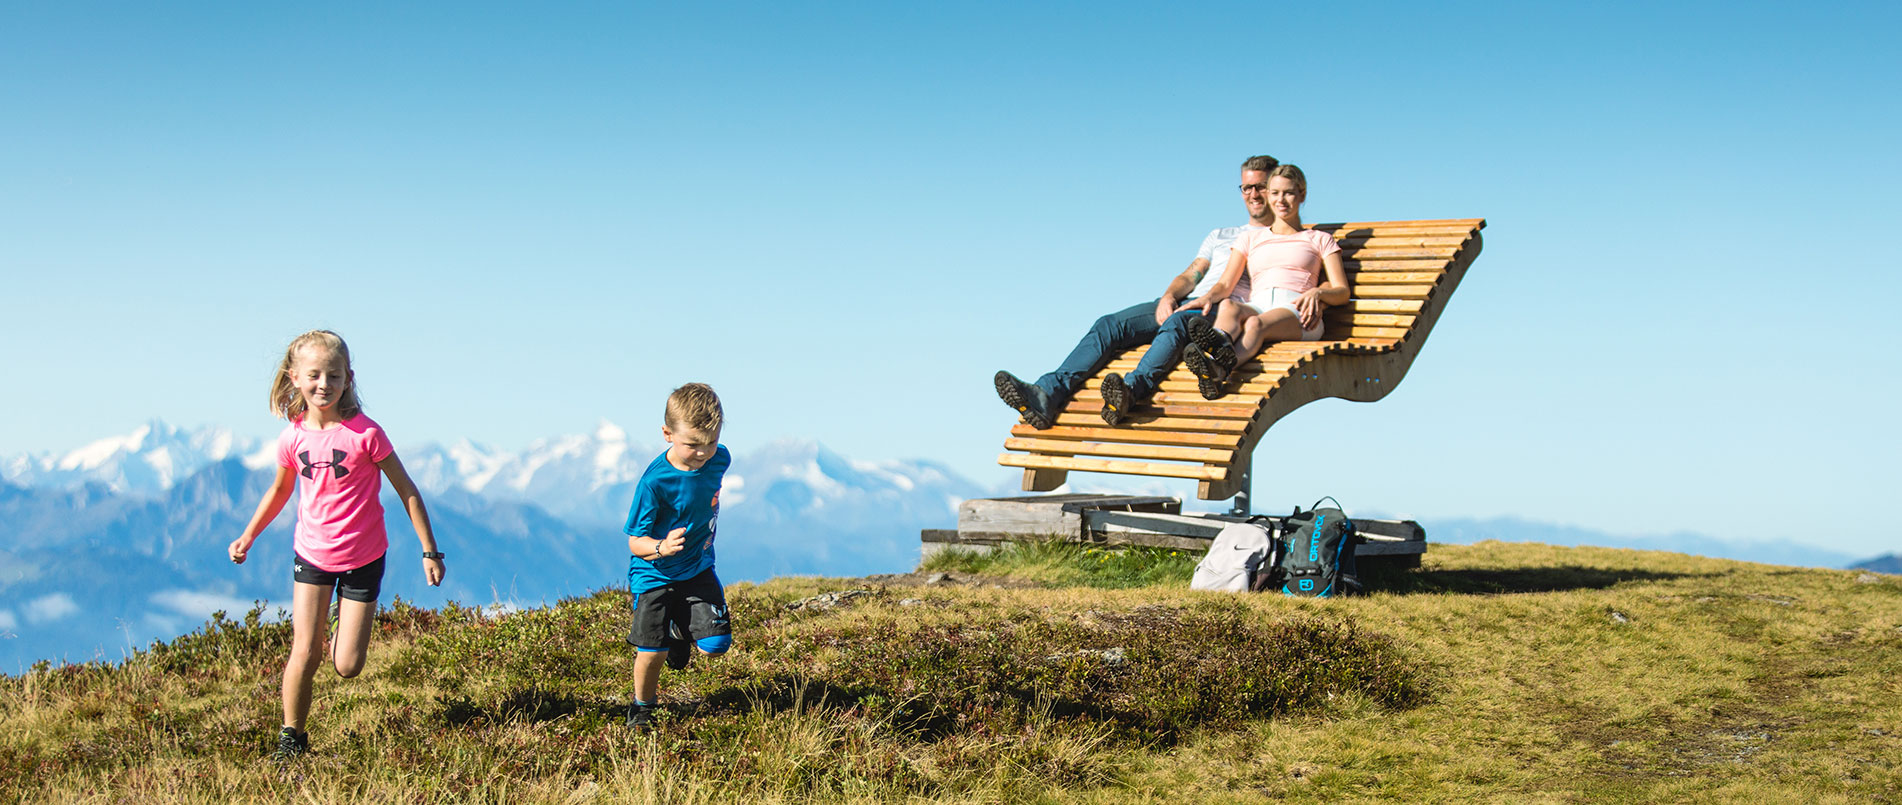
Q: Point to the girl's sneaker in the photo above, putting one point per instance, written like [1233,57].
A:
[291,744]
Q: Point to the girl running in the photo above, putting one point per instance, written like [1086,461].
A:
[340,541]
[1285,264]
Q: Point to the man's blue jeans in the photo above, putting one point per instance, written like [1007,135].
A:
[1130,327]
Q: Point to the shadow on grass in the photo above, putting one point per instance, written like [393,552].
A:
[922,718]
[527,705]
[1512,580]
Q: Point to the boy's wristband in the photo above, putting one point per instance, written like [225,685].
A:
[433,554]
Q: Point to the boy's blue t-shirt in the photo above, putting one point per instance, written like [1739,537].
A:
[665,499]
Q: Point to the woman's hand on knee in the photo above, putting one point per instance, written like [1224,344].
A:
[1309,306]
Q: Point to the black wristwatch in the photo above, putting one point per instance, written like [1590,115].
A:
[433,554]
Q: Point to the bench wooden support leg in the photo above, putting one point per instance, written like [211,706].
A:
[1042,480]
[1235,484]
[1241,474]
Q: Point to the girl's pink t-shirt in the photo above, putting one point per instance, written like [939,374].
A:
[1292,261]
[339,519]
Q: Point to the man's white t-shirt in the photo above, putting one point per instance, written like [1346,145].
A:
[1216,249]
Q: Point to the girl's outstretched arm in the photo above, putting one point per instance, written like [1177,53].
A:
[273,502]
[405,489]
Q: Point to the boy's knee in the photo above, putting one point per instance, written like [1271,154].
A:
[349,670]
[717,644]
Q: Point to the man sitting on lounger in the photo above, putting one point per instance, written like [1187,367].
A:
[1159,323]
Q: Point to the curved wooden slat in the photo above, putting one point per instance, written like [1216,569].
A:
[1151,418]
[1384,240]
[1399,253]
[1188,404]
[1190,471]
[1374,291]
[1057,447]
[1105,433]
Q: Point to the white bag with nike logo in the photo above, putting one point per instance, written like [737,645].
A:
[1238,554]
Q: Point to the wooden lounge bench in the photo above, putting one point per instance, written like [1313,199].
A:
[1402,273]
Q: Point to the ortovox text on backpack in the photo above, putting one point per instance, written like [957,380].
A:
[1318,561]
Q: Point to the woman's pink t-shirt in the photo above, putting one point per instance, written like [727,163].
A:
[339,519]
[1292,261]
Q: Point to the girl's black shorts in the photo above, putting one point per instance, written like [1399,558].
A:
[362,584]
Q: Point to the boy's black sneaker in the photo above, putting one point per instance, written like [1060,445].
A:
[1209,378]
[1116,400]
[291,744]
[1021,398]
[1214,343]
[679,648]
[640,717]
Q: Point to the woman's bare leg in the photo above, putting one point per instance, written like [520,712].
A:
[1278,324]
[1229,317]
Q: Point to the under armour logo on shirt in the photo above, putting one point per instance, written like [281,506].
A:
[335,464]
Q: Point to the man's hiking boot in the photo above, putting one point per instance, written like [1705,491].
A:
[291,744]
[1023,399]
[1116,400]
[640,717]
[1214,343]
[1209,378]
[679,648]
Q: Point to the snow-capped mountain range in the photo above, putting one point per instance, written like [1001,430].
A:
[147,461]
[568,475]
[123,540]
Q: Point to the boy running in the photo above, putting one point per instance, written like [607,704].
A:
[678,602]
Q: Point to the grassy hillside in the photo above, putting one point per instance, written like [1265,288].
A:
[1496,672]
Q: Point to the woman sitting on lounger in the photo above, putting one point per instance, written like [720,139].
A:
[1285,264]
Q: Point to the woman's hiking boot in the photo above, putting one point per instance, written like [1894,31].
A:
[1214,343]
[1116,400]
[1023,398]
[291,744]
[1209,378]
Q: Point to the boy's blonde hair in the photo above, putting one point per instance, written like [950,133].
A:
[286,402]
[694,406]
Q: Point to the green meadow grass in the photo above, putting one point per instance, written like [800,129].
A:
[1494,673]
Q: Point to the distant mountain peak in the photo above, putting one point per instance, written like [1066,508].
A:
[607,431]
[147,461]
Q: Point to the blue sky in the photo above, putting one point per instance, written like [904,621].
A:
[527,218]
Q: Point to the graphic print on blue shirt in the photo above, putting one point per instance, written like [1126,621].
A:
[665,499]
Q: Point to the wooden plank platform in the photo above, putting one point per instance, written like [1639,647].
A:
[1122,520]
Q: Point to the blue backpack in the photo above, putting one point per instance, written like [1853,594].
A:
[1319,559]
